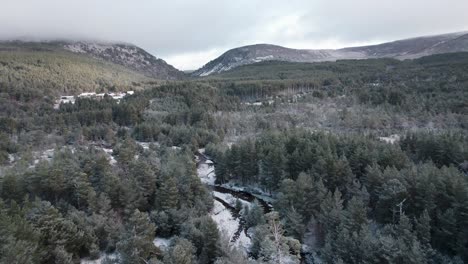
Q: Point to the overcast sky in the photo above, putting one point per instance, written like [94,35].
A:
[187,34]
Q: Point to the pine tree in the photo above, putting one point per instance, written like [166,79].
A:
[145,179]
[168,197]
[221,170]
[287,196]
[210,249]
[272,168]
[10,187]
[62,256]
[181,252]
[136,243]
[404,230]
[331,212]
[423,229]
[238,206]
[259,235]
[445,231]
[373,181]
[20,242]
[294,224]
[55,230]
[355,215]
[307,196]
[393,193]
[82,191]
[254,215]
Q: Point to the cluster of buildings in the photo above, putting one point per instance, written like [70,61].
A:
[70,99]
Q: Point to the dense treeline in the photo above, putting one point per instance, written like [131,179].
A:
[336,190]
[79,205]
[346,190]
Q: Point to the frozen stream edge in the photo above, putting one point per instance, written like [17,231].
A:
[227,223]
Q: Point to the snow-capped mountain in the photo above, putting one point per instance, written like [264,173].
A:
[257,53]
[127,55]
[402,49]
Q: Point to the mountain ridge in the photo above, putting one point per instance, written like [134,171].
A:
[128,55]
[124,54]
[411,48]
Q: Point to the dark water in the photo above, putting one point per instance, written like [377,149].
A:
[243,195]
[236,213]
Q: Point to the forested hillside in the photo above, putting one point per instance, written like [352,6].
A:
[362,161]
[49,68]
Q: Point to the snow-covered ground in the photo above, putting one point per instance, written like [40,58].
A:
[65,99]
[230,199]
[228,225]
[223,217]
[206,174]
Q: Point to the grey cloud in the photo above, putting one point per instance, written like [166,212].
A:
[207,27]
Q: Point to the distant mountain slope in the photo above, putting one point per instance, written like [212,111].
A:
[328,71]
[256,53]
[402,49]
[72,67]
[129,56]
[48,67]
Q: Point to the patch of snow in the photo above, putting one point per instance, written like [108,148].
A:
[112,256]
[390,139]
[11,158]
[259,59]
[47,154]
[88,94]
[213,70]
[144,145]
[162,243]
[109,152]
[71,99]
[254,104]
[64,99]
